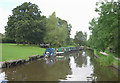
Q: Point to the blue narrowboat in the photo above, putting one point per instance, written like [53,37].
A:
[49,52]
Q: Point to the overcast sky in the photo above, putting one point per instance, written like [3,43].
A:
[76,12]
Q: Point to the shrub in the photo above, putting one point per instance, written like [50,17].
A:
[7,40]
[106,61]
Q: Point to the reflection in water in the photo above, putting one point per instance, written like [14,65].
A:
[50,60]
[75,66]
[39,71]
[2,76]
[103,73]
[82,73]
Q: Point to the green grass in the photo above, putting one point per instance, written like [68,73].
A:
[116,62]
[69,46]
[12,52]
[106,51]
[95,52]
[106,60]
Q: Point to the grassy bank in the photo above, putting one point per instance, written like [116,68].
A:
[69,46]
[12,52]
[107,60]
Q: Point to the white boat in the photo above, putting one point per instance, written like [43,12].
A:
[59,56]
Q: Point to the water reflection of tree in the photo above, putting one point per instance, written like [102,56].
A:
[80,59]
[39,71]
[91,55]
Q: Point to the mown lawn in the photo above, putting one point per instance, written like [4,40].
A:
[12,52]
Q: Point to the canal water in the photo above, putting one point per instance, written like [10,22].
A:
[75,66]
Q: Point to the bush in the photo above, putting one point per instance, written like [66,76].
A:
[106,61]
[7,40]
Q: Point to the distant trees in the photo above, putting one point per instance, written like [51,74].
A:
[80,38]
[28,26]
[105,27]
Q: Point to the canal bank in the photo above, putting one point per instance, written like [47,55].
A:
[107,59]
[12,63]
[10,51]
[50,51]
[76,66]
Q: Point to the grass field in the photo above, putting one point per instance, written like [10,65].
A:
[12,52]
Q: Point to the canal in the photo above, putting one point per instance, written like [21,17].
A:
[75,66]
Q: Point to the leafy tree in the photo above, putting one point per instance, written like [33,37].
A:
[25,24]
[65,31]
[56,30]
[51,29]
[105,27]
[68,40]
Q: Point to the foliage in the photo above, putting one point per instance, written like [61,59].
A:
[7,40]
[105,28]
[80,38]
[56,30]
[69,40]
[116,63]
[106,60]
[69,46]
[26,24]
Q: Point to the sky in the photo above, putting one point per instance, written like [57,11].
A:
[78,13]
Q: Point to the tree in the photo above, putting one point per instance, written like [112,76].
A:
[65,31]
[56,30]
[68,40]
[80,38]
[25,25]
[51,29]
[105,27]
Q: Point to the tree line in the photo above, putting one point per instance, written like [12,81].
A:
[105,28]
[27,25]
